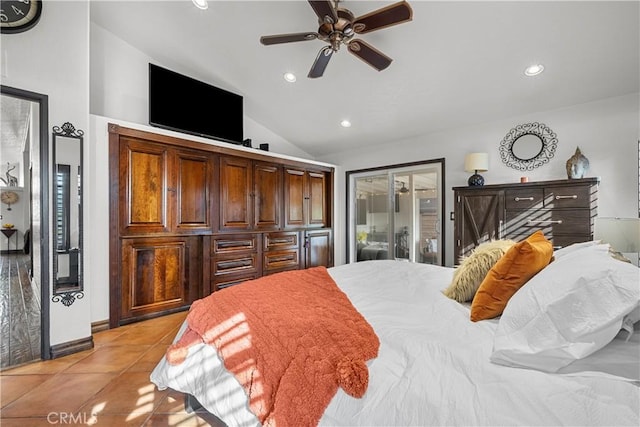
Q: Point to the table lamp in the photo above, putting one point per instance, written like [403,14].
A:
[476,162]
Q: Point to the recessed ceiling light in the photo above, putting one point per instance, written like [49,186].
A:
[201,4]
[534,70]
[345,124]
[290,77]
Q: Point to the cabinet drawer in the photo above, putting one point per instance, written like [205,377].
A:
[281,260]
[552,222]
[236,243]
[277,241]
[523,198]
[232,280]
[577,196]
[247,263]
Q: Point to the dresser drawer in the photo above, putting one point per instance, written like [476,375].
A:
[523,198]
[281,260]
[235,263]
[279,241]
[225,281]
[520,224]
[575,196]
[235,243]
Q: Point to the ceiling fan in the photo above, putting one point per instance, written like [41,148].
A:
[338,26]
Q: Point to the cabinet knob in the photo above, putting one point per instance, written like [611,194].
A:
[518,199]
[573,196]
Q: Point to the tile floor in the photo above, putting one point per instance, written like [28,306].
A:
[105,386]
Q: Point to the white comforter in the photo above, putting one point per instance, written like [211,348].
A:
[433,366]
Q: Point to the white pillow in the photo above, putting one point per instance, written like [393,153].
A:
[573,248]
[570,309]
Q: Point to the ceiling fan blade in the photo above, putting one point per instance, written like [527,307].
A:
[394,14]
[325,11]
[369,54]
[287,38]
[318,67]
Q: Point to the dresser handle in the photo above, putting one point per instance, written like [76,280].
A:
[533,221]
[282,258]
[518,199]
[573,196]
[281,241]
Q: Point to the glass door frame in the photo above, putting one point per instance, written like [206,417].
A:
[392,171]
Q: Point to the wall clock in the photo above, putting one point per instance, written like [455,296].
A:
[9,198]
[19,16]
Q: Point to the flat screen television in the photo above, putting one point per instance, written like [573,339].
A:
[184,104]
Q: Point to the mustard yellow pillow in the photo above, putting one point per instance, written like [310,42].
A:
[519,264]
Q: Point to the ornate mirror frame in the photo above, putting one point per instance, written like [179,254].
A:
[528,146]
[67,214]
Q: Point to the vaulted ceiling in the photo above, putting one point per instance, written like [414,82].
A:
[455,64]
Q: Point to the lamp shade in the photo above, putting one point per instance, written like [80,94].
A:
[476,162]
[623,234]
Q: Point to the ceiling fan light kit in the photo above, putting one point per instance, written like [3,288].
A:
[338,26]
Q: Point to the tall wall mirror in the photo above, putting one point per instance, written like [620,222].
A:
[67,214]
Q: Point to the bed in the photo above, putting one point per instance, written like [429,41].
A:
[436,367]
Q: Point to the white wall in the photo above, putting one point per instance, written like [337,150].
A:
[606,131]
[119,88]
[53,59]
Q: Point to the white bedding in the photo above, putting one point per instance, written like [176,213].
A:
[433,366]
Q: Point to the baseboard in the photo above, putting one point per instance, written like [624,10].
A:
[70,347]
[102,325]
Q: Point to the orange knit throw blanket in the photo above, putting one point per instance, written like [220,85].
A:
[290,339]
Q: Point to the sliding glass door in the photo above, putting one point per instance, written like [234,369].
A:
[395,212]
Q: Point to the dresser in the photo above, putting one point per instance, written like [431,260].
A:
[564,210]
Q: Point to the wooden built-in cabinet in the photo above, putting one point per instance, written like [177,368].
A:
[250,194]
[305,192]
[164,189]
[318,248]
[159,274]
[190,218]
[564,210]
[281,251]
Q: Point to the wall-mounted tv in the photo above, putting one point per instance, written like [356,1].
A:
[184,104]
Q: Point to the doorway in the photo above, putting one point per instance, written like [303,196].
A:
[24,249]
[395,212]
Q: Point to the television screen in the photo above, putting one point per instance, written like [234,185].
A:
[184,104]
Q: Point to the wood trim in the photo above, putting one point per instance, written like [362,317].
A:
[561,182]
[100,326]
[71,347]
[186,143]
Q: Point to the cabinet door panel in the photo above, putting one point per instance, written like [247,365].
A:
[267,186]
[316,199]
[294,197]
[318,248]
[193,204]
[143,196]
[480,219]
[235,189]
[159,274]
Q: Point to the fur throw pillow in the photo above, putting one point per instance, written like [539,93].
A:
[473,269]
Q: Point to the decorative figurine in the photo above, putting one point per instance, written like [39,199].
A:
[577,165]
